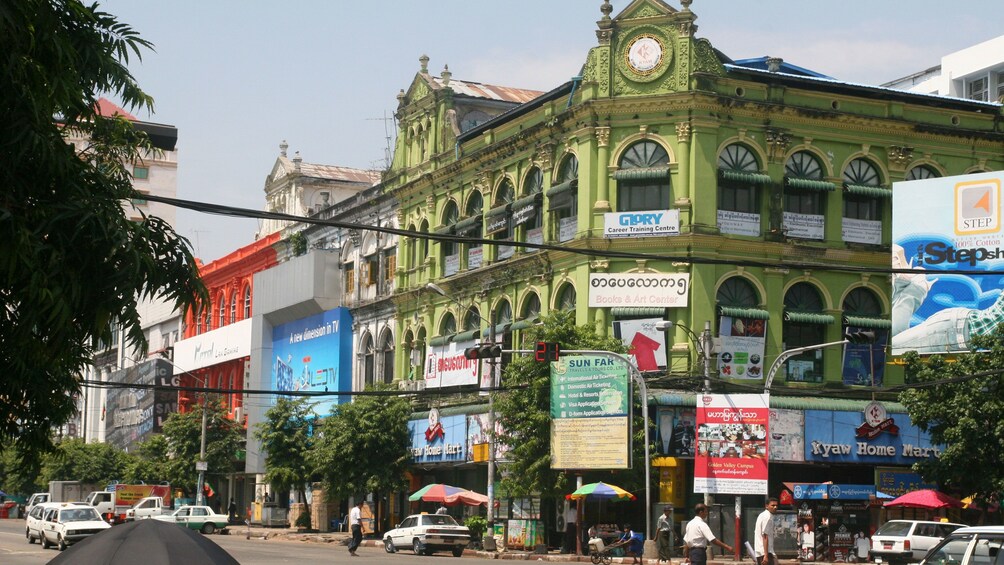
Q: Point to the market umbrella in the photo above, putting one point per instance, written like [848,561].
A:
[601,491]
[2,493]
[437,492]
[925,498]
[471,498]
[151,542]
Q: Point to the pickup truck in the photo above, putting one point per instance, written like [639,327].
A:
[113,504]
[147,508]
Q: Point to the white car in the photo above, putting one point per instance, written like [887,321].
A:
[201,518]
[907,541]
[33,520]
[70,523]
[35,499]
[976,545]
[426,533]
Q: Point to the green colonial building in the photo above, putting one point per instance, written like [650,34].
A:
[761,189]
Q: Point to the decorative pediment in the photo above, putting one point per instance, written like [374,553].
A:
[644,9]
[280,169]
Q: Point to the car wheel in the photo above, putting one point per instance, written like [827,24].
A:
[416,546]
[27,536]
[458,551]
[62,544]
[45,542]
[208,528]
[388,545]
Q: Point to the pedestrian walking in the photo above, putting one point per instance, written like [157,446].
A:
[570,518]
[356,525]
[763,535]
[663,529]
[699,536]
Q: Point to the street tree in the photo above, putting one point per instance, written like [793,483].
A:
[362,446]
[91,463]
[183,434]
[146,463]
[286,440]
[72,262]
[523,413]
[960,403]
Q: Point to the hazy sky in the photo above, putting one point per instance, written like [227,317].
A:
[238,77]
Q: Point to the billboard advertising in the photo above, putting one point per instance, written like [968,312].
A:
[741,354]
[732,444]
[314,354]
[934,311]
[590,411]
[438,439]
[445,365]
[132,415]
[645,290]
[872,437]
[645,344]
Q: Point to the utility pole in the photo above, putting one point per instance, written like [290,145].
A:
[491,428]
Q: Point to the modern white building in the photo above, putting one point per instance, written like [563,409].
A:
[974,73]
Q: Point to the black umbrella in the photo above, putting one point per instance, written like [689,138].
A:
[151,542]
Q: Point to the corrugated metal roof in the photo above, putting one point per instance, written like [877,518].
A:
[489,91]
[346,174]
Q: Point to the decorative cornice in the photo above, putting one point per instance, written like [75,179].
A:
[899,157]
[777,143]
[602,134]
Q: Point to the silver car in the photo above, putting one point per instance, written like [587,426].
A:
[977,545]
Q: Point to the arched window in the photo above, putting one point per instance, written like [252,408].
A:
[863,313]
[737,292]
[863,195]
[247,302]
[562,199]
[472,319]
[804,196]
[448,326]
[369,360]
[423,243]
[643,178]
[804,325]
[499,220]
[566,298]
[387,357]
[233,308]
[527,211]
[222,311]
[413,247]
[197,314]
[451,250]
[739,179]
[473,226]
[208,314]
[921,172]
[862,302]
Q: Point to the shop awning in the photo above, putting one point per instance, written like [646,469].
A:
[523,324]
[808,317]
[562,188]
[525,209]
[642,173]
[869,191]
[867,322]
[810,184]
[689,400]
[440,340]
[741,312]
[467,335]
[744,176]
[499,210]
[444,230]
[499,329]
[637,311]
[469,225]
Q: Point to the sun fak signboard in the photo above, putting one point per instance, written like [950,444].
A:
[933,311]
[314,354]
[732,444]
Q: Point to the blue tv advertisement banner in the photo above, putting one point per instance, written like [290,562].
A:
[845,437]
[314,354]
[438,439]
[934,311]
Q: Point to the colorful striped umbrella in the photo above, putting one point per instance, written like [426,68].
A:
[601,491]
[436,492]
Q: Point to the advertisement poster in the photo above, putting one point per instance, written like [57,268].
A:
[894,482]
[445,365]
[741,355]
[590,410]
[438,439]
[732,444]
[864,363]
[787,439]
[932,311]
[314,354]
[645,343]
[641,224]
[676,431]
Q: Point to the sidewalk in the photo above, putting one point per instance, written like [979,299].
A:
[342,538]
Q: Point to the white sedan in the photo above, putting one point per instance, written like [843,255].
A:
[201,518]
[426,533]
[69,524]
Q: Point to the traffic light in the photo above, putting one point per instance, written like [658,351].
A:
[860,336]
[547,351]
[483,351]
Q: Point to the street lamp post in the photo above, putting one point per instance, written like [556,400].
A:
[788,354]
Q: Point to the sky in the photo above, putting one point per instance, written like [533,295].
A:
[239,77]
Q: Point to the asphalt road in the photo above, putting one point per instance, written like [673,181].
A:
[15,550]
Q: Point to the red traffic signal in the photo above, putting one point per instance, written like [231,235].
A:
[484,351]
[547,351]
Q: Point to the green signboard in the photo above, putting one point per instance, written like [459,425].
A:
[586,386]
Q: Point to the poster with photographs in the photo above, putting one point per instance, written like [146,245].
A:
[741,355]
[732,444]
[676,431]
[787,439]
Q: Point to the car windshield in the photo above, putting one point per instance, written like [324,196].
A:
[439,520]
[78,515]
[894,529]
[950,551]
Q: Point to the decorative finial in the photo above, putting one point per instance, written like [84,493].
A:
[446,75]
[774,64]
[686,4]
[296,161]
[606,9]
[283,147]
[424,60]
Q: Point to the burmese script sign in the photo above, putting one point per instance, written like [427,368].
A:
[654,290]
[590,410]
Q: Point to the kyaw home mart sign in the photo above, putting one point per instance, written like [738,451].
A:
[892,439]
[641,224]
[656,290]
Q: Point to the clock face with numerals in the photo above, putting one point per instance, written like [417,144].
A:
[645,54]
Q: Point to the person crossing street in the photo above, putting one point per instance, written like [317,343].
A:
[698,536]
[356,525]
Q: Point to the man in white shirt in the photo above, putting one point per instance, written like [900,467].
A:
[571,515]
[698,536]
[356,525]
[763,535]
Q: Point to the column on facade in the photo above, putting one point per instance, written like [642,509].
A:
[602,170]
[773,280]
[685,190]
[600,318]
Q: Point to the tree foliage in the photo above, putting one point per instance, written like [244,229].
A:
[286,440]
[72,263]
[362,447]
[523,412]
[961,405]
[91,463]
[183,436]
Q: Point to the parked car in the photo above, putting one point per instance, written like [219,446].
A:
[37,498]
[201,518]
[69,523]
[427,533]
[906,541]
[977,545]
[33,520]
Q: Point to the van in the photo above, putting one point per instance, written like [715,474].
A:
[977,545]
[37,498]
[907,541]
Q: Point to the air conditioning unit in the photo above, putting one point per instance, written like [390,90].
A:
[239,414]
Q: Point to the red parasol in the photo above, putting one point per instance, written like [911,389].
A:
[926,498]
